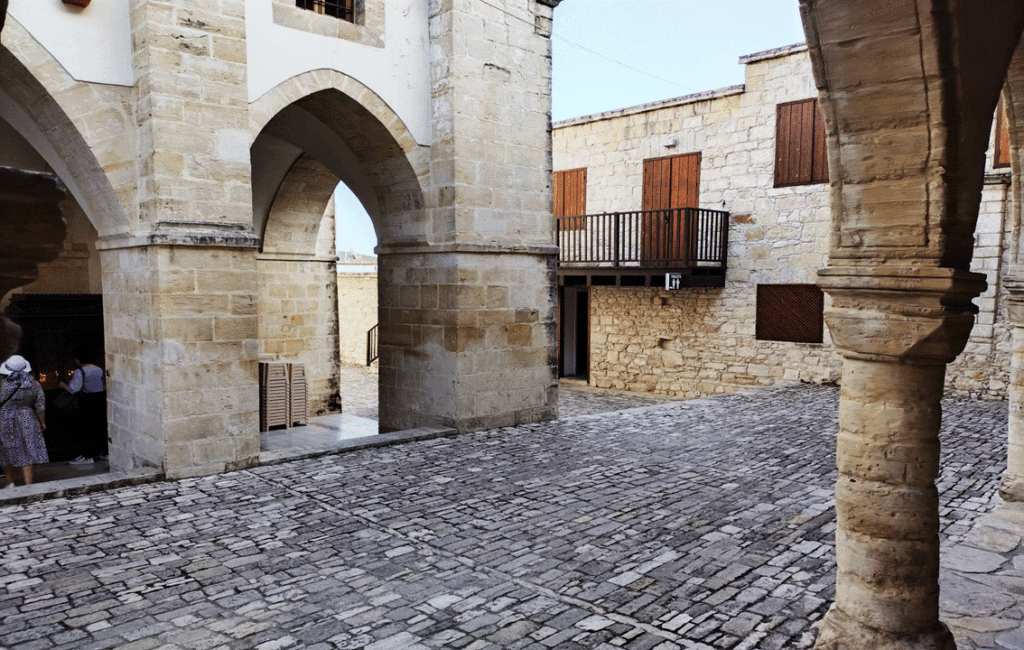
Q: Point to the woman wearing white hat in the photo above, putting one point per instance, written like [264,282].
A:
[22,420]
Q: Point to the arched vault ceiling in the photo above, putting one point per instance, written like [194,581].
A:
[304,132]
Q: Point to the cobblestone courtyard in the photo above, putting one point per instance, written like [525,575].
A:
[699,524]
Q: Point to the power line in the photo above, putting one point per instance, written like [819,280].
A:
[594,52]
[624,65]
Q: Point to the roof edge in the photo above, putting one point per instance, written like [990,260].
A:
[773,53]
[652,106]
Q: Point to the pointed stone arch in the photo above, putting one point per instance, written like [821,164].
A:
[78,128]
[379,159]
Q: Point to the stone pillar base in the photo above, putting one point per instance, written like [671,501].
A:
[841,632]
[1012,488]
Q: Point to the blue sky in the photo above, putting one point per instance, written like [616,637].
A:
[609,54]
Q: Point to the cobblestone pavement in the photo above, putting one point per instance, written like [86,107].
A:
[699,524]
[359,396]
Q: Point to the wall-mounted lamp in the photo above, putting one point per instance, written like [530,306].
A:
[668,143]
[77,3]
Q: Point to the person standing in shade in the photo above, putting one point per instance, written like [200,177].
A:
[22,421]
[89,383]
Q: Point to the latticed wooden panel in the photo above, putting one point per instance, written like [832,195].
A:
[1002,152]
[790,312]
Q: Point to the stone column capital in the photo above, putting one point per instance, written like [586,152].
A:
[901,313]
[1013,283]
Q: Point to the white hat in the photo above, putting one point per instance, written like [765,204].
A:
[14,364]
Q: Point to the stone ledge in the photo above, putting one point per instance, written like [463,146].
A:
[356,444]
[75,486]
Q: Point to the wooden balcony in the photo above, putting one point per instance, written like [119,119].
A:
[639,248]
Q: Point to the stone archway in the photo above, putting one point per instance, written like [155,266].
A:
[296,265]
[907,91]
[466,246]
[76,127]
[314,142]
[74,130]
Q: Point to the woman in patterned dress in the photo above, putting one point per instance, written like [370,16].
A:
[22,420]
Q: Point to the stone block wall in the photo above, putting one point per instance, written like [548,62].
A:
[472,328]
[983,368]
[298,321]
[698,341]
[692,343]
[181,342]
[357,313]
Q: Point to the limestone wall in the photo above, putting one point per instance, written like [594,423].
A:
[357,313]
[180,329]
[298,320]
[983,368]
[699,341]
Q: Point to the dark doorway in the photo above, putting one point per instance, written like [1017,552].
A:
[54,329]
[574,339]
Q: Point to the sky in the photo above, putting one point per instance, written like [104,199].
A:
[610,54]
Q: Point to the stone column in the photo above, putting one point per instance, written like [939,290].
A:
[1012,486]
[180,291]
[896,328]
[467,317]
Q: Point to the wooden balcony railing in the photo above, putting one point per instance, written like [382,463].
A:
[681,238]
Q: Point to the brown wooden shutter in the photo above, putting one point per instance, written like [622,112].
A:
[1002,152]
[800,155]
[570,194]
[671,182]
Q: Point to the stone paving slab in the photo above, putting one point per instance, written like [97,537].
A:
[705,524]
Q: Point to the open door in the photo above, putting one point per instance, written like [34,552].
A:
[574,339]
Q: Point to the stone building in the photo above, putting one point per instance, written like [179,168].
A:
[763,321]
[174,125]
[199,145]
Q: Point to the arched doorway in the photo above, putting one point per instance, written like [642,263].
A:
[307,148]
[59,305]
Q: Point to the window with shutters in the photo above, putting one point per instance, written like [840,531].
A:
[1002,152]
[344,9]
[800,157]
[790,312]
[570,194]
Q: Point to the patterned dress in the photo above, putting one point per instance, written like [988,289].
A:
[21,437]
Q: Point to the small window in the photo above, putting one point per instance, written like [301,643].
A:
[1002,152]
[570,194]
[800,157]
[344,9]
[790,312]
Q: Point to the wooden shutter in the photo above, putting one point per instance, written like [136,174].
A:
[790,312]
[800,155]
[570,194]
[670,182]
[1002,152]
